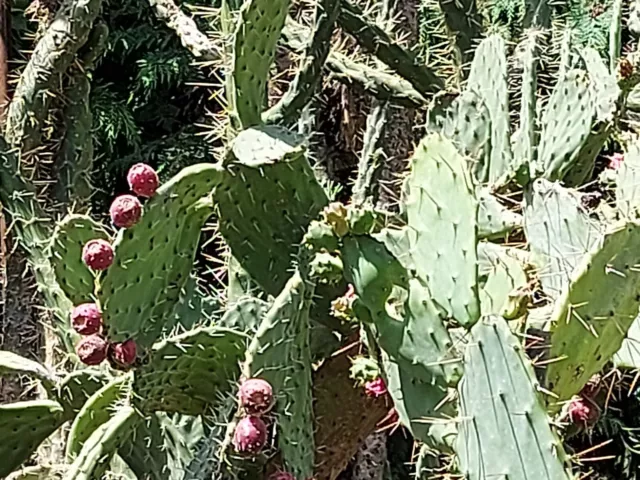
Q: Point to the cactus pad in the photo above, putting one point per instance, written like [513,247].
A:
[566,124]
[65,253]
[559,232]
[11,363]
[442,215]
[23,426]
[189,372]
[245,315]
[494,219]
[97,411]
[280,354]
[593,315]
[418,341]
[488,77]
[629,354]
[255,47]
[95,456]
[153,259]
[524,141]
[504,430]
[266,201]
[500,274]
[77,387]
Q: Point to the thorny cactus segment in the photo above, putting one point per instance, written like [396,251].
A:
[442,213]
[23,426]
[595,312]
[516,440]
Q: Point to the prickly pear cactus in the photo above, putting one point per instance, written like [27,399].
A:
[504,429]
[24,426]
[593,315]
[442,212]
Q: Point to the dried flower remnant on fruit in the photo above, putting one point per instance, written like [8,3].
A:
[342,307]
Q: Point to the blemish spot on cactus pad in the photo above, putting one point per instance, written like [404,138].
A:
[250,435]
[256,396]
[86,319]
[125,211]
[143,180]
[123,354]
[97,254]
[92,350]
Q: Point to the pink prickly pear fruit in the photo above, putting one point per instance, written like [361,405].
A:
[250,435]
[123,354]
[86,319]
[125,211]
[375,388]
[97,254]
[616,160]
[582,412]
[92,349]
[256,396]
[143,180]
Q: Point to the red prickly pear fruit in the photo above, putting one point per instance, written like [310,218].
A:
[123,354]
[86,319]
[375,388]
[256,396]
[582,412]
[92,349]
[97,254]
[250,435]
[125,211]
[143,180]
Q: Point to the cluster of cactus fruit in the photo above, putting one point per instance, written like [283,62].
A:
[438,302]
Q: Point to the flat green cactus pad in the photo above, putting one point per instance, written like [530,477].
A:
[96,411]
[23,427]
[255,46]
[189,372]
[153,259]
[266,202]
[245,315]
[629,354]
[442,215]
[494,219]
[564,130]
[559,232]
[13,364]
[503,429]
[280,354]
[145,452]
[95,456]
[65,253]
[524,139]
[593,315]
[415,337]
[501,275]
[76,388]
[488,77]
[416,400]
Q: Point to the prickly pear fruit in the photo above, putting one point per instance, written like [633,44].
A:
[125,211]
[256,396]
[143,180]
[250,435]
[583,412]
[615,160]
[97,254]
[123,354]
[92,349]
[375,388]
[86,319]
